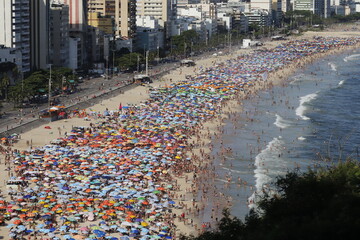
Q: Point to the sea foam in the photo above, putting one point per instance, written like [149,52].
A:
[281,122]
[300,111]
[266,159]
[351,57]
[333,66]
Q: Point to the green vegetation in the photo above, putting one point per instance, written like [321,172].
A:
[38,84]
[128,61]
[7,69]
[317,204]
[348,18]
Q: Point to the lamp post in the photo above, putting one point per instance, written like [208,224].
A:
[49,100]
[113,52]
[138,63]
[158,51]
[62,84]
[146,63]
[185,49]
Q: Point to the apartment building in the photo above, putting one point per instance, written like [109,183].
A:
[15,28]
[59,35]
[39,33]
[123,13]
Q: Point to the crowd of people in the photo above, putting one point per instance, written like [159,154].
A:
[117,179]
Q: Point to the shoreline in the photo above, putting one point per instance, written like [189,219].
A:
[209,127]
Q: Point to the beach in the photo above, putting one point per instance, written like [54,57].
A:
[194,171]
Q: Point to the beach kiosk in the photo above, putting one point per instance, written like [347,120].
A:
[142,78]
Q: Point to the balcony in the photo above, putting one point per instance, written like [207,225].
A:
[16,14]
[16,7]
[25,51]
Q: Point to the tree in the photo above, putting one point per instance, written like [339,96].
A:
[4,85]
[36,83]
[184,41]
[317,204]
[16,95]
[128,61]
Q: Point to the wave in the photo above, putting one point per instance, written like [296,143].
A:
[351,57]
[300,111]
[333,66]
[267,158]
[281,122]
[341,82]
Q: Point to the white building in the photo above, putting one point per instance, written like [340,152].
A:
[158,9]
[307,5]
[261,4]
[195,12]
[15,28]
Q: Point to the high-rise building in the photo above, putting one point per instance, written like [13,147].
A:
[162,10]
[183,3]
[318,7]
[322,8]
[122,11]
[39,19]
[59,35]
[15,28]
[105,24]
[159,9]
[261,4]
[77,14]
[78,28]
[98,6]
[307,5]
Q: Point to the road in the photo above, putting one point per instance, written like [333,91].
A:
[89,89]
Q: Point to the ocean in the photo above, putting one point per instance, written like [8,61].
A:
[313,120]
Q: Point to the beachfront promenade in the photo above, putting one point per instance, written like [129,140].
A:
[91,92]
[118,177]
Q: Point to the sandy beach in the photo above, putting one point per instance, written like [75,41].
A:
[199,172]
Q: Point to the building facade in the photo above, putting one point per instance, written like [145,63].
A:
[59,35]
[78,27]
[123,13]
[261,4]
[158,9]
[11,55]
[15,28]
[307,5]
[103,23]
[150,35]
[39,19]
